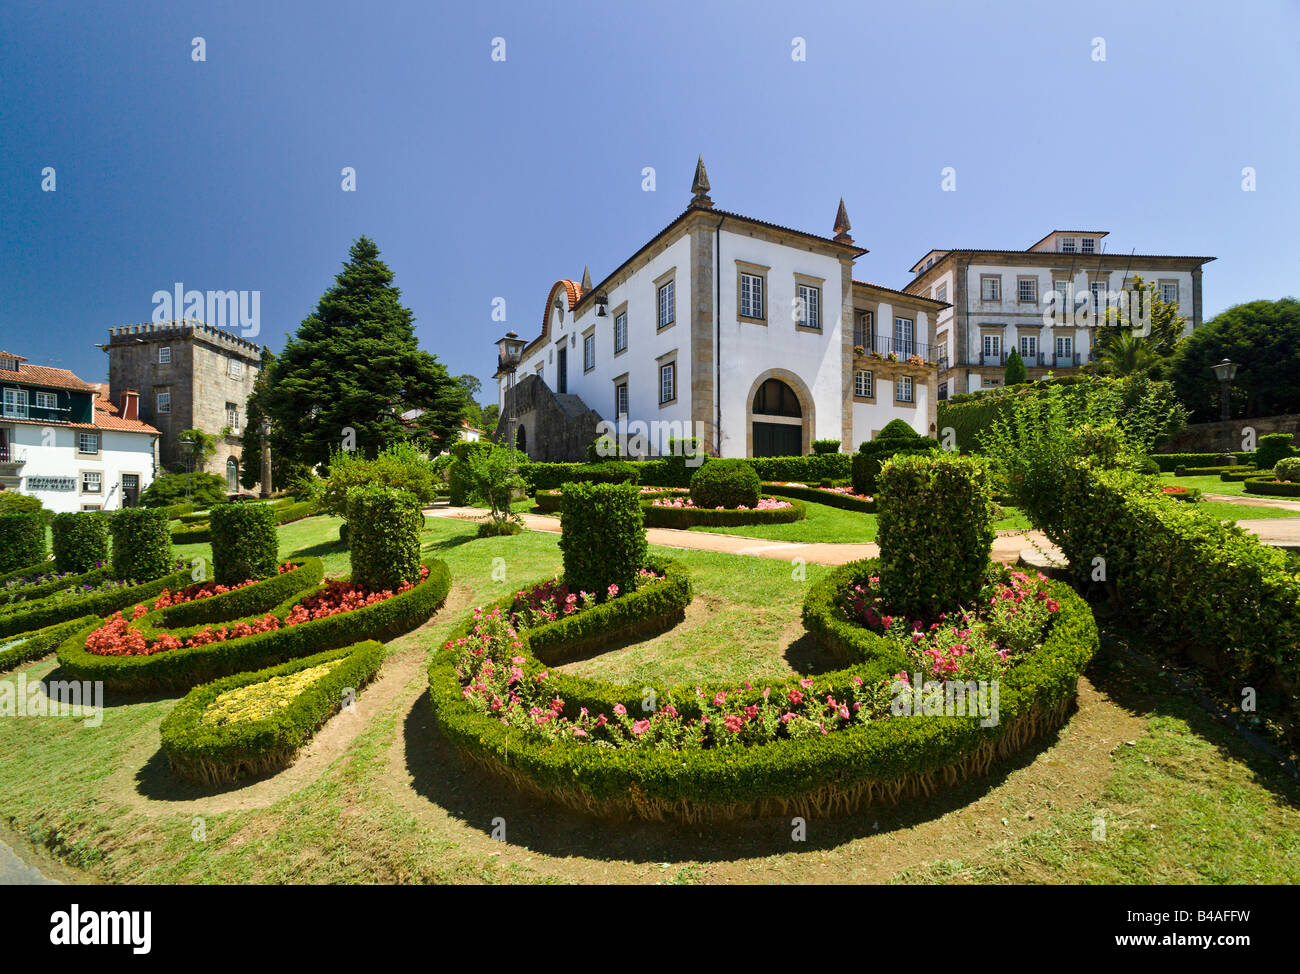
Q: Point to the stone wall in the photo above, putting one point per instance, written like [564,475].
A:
[555,428]
[1208,437]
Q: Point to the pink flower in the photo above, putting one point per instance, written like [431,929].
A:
[612,590]
[620,710]
[640,727]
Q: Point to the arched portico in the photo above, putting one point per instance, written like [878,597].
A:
[779,413]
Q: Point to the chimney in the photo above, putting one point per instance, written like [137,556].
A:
[129,406]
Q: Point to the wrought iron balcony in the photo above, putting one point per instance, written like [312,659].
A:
[900,348]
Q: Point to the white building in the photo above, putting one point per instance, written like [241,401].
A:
[995,301]
[61,442]
[752,337]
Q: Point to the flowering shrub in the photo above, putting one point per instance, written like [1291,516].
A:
[117,637]
[205,590]
[257,701]
[552,599]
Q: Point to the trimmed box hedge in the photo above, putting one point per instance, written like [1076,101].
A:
[262,596]
[219,754]
[602,536]
[244,543]
[383,536]
[22,539]
[683,518]
[195,534]
[80,541]
[25,647]
[1271,487]
[676,470]
[1169,462]
[34,593]
[182,669]
[838,772]
[99,604]
[813,495]
[142,547]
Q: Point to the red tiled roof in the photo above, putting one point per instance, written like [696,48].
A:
[48,376]
[107,418]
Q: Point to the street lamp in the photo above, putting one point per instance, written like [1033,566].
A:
[187,442]
[510,349]
[266,458]
[1225,371]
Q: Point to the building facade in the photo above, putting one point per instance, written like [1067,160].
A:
[751,337]
[190,375]
[999,300]
[64,444]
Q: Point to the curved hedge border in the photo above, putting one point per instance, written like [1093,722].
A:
[98,604]
[212,755]
[1270,487]
[828,497]
[198,534]
[34,592]
[261,596]
[548,501]
[839,772]
[28,646]
[690,517]
[289,513]
[35,568]
[182,669]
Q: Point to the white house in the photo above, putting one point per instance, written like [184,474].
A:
[63,443]
[998,300]
[752,337]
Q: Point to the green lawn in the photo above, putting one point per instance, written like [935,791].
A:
[1210,485]
[380,798]
[833,524]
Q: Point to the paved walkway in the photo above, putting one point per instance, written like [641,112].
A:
[1255,500]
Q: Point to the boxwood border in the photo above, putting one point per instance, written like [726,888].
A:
[683,518]
[816,496]
[1266,486]
[261,596]
[211,756]
[95,575]
[840,772]
[98,604]
[183,669]
[39,642]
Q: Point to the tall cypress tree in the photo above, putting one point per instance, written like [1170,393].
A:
[354,364]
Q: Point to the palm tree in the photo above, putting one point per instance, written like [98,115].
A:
[1120,352]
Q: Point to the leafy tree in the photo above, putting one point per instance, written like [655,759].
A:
[1016,372]
[401,466]
[1263,338]
[494,477]
[354,364]
[491,416]
[203,448]
[250,471]
[471,386]
[1124,348]
[201,489]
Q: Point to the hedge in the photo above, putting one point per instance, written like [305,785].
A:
[98,604]
[1169,462]
[1274,447]
[1271,487]
[834,773]
[182,669]
[1213,471]
[692,517]
[896,439]
[198,534]
[80,541]
[27,646]
[220,754]
[295,511]
[244,543]
[830,498]
[725,483]
[202,517]
[240,603]
[674,471]
[383,536]
[602,536]
[33,593]
[22,539]
[142,547]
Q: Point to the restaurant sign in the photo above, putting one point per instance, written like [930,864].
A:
[51,483]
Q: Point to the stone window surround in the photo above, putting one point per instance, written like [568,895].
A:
[81,483]
[904,403]
[623,380]
[589,332]
[99,443]
[667,358]
[620,310]
[157,400]
[754,270]
[1160,289]
[807,280]
[990,277]
[1027,279]
[164,350]
[860,398]
[667,277]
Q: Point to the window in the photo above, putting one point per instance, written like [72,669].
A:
[993,346]
[92,482]
[1098,289]
[903,389]
[1169,292]
[1027,289]
[903,331]
[1088,245]
[47,400]
[88,443]
[941,292]
[988,383]
[1062,288]
[232,417]
[90,507]
[864,385]
[9,364]
[667,304]
[865,332]
[1028,347]
[588,353]
[667,382]
[751,296]
[943,391]
[15,403]
[620,333]
[236,369]
[809,306]
[620,400]
[163,402]
[1067,245]
[164,355]
[1065,348]
[990,289]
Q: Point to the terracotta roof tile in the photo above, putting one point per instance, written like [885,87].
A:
[48,376]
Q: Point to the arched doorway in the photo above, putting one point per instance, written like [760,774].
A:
[232,475]
[521,439]
[780,416]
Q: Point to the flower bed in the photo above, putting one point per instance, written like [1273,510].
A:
[548,501]
[815,745]
[841,497]
[254,723]
[136,652]
[210,602]
[103,598]
[1190,495]
[29,587]
[1271,487]
[679,512]
[27,646]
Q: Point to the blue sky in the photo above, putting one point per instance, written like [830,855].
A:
[482,179]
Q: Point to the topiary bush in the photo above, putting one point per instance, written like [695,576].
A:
[1288,469]
[142,545]
[80,541]
[826,446]
[22,540]
[728,484]
[935,532]
[1272,448]
[170,489]
[896,439]
[602,536]
[383,537]
[244,542]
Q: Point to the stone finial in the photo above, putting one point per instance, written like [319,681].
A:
[842,225]
[586,280]
[700,186]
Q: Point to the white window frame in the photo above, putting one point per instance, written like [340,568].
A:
[1098,290]
[991,344]
[98,482]
[1068,245]
[667,304]
[81,435]
[235,369]
[867,325]
[621,400]
[941,292]
[1169,284]
[1027,290]
[1029,347]
[588,353]
[904,335]
[164,355]
[667,382]
[15,403]
[47,400]
[752,299]
[163,402]
[1065,342]
[232,416]
[985,281]
[903,384]
[810,304]
[620,332]
[1088,245]
[864,384]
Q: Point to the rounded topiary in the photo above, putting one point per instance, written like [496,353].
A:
[1272,448]
[80,541]
[1288,470]
[935,533]
[728,484]
[602,536]
[383,537]
[244,542]
[22,540]
[142,545]
[897,438]
[826,446]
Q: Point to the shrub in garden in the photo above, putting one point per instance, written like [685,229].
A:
[1272,448]
[383,537]
[401,466]
[460,483]
[142,545]
[22,540]
[728,484]
[826,446]
[935,532]
[200,489]
[1016,372]
[896,439]
[602,536]
[244,542]
[80,541]
[11,502]
[1288,469]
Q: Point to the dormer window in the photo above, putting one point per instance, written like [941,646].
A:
[1088,245]
[8,364]
[1067,245]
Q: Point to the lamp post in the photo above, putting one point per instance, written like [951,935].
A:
[187,443]
[266,458]
[1225,371]
[510,348]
